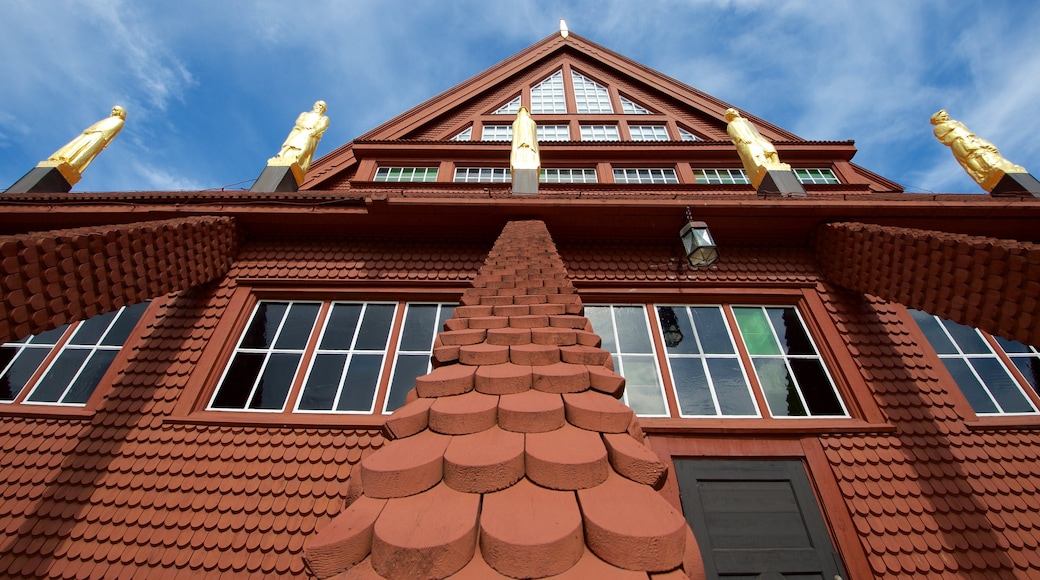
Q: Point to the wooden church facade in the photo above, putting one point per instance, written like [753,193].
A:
[221,383]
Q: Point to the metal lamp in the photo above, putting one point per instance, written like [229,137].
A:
[698,243]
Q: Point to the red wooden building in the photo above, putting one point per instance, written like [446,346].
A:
[205,382]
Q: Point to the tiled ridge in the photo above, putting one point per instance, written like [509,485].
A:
[513,457]
[935,498]
[50,278]
[981,282]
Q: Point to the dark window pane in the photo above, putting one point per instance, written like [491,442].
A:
[319,394]
[677,330]
[50,337]
[128,318]
[711,329]
[419,326]
[731,387]
[14,380]
[632,330]
[339,330]
[1012,346]
[446,312]
[238,382]
[1003,388]
[275,382]
[89,378]
[260,333]
[933,332]
[816,387]
[375,328]
[778,387]
[789,328]
[53,384]
[754,327]
[91,329]
[691,387]
[298,326]
[1030,368]
[360,385]
[970,386]
[409,366]
[967,338]
[599,316]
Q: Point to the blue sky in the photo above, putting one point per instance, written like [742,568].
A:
[212,88]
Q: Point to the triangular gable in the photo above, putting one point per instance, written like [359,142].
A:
[446,115]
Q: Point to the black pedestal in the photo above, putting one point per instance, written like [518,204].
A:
[1017,184]
[781,182]
[276,178]
[41,180]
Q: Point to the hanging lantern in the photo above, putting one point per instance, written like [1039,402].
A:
[698,243]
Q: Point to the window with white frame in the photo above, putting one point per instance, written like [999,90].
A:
[73,358]
[547,97]
[306,356]
[645,176]
[686,135]
[590,96]
[648,132]
[822,175]
[554,133]
[721,176]
[406,174]
[496,133]
[630,107]
[625,331]
[978,370]
[464,135]
[568,175]
[482,175]
[600,133]
[510,108]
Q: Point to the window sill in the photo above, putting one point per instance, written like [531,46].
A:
[249,419]
[45,411]
[793,426]
[984,423]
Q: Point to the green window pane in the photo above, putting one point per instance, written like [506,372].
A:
[754,327]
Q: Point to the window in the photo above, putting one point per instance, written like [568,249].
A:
[629,107]
[687,135]
[510,108]
[561,175]
[590,96]
[753,518]
[721,176]
[547,96]
[497,133]
[406,174]
[645,176]
[648,132]
[482,175]
[1025,358]
[704,350]
[625,332]
[465,135]
[554,133]
[326,357]
[977,368]
[600,133]
[76,356]
[816,176]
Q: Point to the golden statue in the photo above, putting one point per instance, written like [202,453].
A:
[299,146]
[756,152]
[979,158]
[524,160]
[72,159]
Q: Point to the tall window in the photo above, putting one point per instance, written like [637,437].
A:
[590,96]
[73,359]
[646,176]
[327,357]
[625,332]
[547,97]
[977,368]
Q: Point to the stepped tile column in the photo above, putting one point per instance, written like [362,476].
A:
[514,457]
